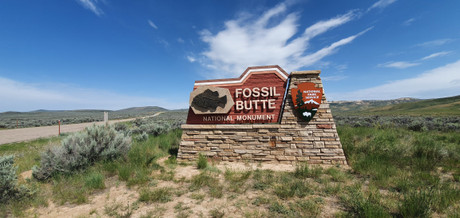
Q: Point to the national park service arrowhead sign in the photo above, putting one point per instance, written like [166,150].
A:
[307,99]
[257,96]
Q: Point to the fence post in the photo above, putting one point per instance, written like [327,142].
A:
[59,122]
[106,118]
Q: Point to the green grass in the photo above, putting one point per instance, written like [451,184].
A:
[416,204]
[207,180]
[118,210]
[143,156]
[304,171]
[216,213]
[76,188]
[202,162]
[394,172]
[161,195]
[237,180]
[432,107]
[28,154]
[408,164]
[362,204]
[95,180]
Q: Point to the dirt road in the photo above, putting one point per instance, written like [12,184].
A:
[26,134]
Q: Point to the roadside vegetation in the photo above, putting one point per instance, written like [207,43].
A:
[420,124]
[10,120]
[439,107]
[394,172]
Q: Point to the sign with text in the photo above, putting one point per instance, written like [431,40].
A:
[306,98]
[255,97]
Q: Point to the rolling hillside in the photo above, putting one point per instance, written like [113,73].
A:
[449,106]
[343,107]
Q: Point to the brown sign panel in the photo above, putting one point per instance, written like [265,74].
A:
[255,97]
[307,99]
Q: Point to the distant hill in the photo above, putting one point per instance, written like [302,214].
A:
[135,111]
[449,106]
[339,107]
[50,117]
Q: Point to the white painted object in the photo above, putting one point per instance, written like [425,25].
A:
[106,117]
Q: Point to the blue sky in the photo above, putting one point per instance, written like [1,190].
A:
[106,54]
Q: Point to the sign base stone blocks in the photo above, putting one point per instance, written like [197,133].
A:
[290,141]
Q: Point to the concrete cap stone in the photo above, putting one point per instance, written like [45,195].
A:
[306,72]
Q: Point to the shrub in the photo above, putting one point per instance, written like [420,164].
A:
[302,171]
[121,127]
[417,125]
[207,179]
[278,208]
[161,195]
[408,122]
[202,162]
[201,180]
[361,206]
[82,149]
[263,179]
[155,128]
[141,137]
[156,125]
[237,180]
[95,180]
[293,188]
[8,180]
[416,204]
[216,213]
[124,172]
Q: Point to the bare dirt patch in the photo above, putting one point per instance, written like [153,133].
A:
[25,175]
[115,193]
[119,200]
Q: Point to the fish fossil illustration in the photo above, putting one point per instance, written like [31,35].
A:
[208,101]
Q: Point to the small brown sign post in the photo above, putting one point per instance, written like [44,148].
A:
[264,115]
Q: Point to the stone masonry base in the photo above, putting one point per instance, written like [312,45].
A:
[293,140]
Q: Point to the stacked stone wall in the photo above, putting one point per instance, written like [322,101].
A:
[292,140]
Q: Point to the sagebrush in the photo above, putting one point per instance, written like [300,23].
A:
[9,188]
[82,149]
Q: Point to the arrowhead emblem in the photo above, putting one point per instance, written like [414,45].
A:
[307,99]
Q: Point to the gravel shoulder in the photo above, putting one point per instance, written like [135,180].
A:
[27,134]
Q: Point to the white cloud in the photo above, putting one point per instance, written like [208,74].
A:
[399,64]
[323,26]
[438,54]
[92,6]
[381,4]
[266,40]
[406,64]
[334,78]
[163,42]
[341,67]
[180,40]
[19,96]
[152,24]
[408,22]
[435,43]
[443,81]
[191,59]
